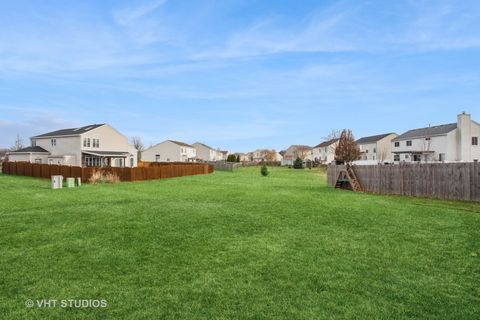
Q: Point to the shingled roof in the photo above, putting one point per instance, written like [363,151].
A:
[326,143]
[183,144]
[69,132]
[31,149]
[427,132]
[372,139]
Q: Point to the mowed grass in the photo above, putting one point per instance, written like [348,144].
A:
[236,246]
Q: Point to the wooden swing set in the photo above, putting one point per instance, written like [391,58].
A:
[347,179]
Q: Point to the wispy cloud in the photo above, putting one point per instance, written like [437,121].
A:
[127,16]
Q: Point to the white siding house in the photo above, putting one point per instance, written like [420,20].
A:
[170,151]
[376,149]
[454,142]
[324,152]
[97,145]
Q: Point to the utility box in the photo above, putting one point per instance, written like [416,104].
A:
[79,182]
[57,182]
[70,182]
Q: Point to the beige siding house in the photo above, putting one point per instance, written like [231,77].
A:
[296,151]
[170,151]
[97,145]
[376,149]
[207,153]
[454,142]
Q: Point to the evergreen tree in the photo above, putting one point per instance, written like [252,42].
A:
[298,164]
[264,170]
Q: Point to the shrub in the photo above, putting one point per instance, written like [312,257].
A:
[100,176]
[298,164]
[264,170]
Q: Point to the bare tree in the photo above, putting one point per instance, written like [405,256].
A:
[347,150]
[332,135]
[138,144]
[301,152]
[18,143]
[270,155]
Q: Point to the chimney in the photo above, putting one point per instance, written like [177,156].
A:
[464,136]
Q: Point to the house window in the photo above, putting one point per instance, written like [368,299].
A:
[96,143]
[474,141]
[34,143]
[88,142]
[84,142]
[417,158]
[157,158]
[397,144]
[119,162]
[366,151]
[409,143]
[38,160]
[407,156]
[428,138]
[131,162]
[92,162]
[374,150]
[53,142]
[441,157]
[396,157]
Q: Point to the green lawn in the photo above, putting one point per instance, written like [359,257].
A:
[236,246]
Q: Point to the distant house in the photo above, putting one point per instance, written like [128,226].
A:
[170,151]
[324,152]
[453,142]
[260,155]
[296,151]
[376,149]
[96,145]
[244,157]
[207,153]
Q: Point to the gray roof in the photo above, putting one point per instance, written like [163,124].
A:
[69,132]
[183,144]
[31,149]
[326,143]
[372,139]
[203,144]
[105,153]
[427,132]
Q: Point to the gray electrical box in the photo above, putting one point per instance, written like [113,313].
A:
[57,182]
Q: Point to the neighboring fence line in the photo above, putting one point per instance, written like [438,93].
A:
[159,171]
[452,181]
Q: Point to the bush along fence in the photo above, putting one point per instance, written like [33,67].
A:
[159,171]
[451,181]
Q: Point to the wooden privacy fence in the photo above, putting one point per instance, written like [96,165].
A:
[452,181]
[159,171]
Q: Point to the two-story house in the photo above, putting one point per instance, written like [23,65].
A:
[376,149]
[97,145]
[170,151]
[324,152]
[296,151]
[454,142]
[207,153]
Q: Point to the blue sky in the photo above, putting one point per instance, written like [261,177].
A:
[238,75]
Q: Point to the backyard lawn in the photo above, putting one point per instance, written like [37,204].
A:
[235,246]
